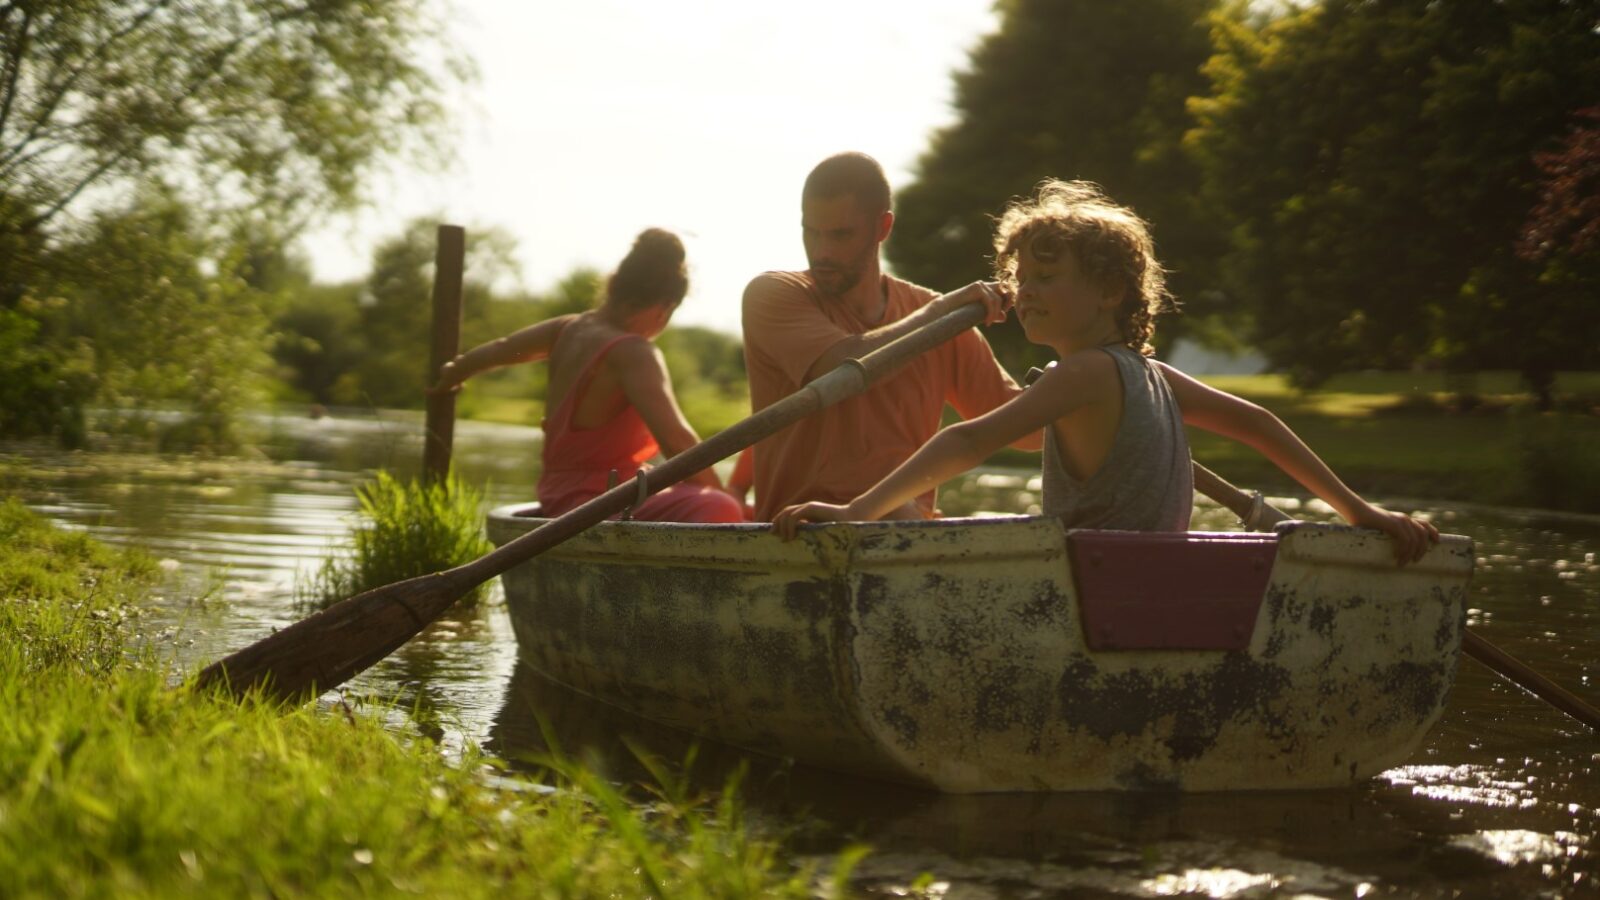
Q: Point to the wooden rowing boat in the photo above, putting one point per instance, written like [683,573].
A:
[1007,653]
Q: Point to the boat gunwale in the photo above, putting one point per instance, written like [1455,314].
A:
[1296,540]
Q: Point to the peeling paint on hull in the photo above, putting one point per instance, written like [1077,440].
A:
[950,654]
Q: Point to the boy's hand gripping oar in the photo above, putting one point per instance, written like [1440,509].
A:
[325,650]
[1261,516]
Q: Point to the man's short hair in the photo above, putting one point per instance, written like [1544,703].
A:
[855,174]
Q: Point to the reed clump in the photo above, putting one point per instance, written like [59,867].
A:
[114,784]
[405,528]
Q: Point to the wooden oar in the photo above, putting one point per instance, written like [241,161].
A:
[1261,516]
[325,650]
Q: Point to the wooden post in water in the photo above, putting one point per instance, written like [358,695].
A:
[448,267]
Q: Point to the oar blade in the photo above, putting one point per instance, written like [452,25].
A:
[327,649]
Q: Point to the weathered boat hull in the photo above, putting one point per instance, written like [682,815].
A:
[967,655]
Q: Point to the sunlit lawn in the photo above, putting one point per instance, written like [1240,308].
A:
[1399,434]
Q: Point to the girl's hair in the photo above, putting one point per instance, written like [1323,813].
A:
[652,274]
[1110,242]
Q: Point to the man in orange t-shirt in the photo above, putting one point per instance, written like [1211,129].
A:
[799,325]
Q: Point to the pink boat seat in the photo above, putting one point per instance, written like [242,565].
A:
[1170,591]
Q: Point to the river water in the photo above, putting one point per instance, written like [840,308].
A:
[1502,800]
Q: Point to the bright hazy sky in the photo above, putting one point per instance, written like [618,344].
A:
[594,119]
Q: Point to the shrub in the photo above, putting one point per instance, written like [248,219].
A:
[406,529]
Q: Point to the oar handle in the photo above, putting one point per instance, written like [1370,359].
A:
[1252,509]
[1529,679]
[848,379]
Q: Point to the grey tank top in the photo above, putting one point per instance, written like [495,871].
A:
[1146,482]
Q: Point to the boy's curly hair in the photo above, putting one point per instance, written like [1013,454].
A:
[1110,242]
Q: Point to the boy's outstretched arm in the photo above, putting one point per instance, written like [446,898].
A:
[952,451]
[1222,413]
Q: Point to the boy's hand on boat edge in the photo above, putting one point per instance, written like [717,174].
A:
[787,522]
[1412,537]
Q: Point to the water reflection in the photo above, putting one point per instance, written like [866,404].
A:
[1317,843]
[1501,800]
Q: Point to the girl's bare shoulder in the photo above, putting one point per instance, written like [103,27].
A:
[635,353]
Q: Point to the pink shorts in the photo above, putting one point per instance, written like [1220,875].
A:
[679,503]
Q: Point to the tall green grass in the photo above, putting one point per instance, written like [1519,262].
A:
[404,529]
[115,784]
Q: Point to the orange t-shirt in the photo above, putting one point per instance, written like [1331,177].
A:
[845,449]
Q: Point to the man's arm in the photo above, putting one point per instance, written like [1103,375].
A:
[858,345]
[962,446]
[979,384]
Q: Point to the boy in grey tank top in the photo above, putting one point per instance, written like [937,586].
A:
[1083,272]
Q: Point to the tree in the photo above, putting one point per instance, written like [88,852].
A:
[169,320]
[257,113]
[396,310]
[318,341]
[277,105]
[1567,216]
[1066,89]
[1373,162]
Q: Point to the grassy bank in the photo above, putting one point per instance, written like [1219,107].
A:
[114,784]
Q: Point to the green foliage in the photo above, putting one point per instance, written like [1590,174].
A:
[41,393]
[1067,89]
[581,290]
[396,310]
[114,784]
[276,106]
[258,113]
[708,376]
[317,342]
[170,324]
[1560,466]
[406,529]
[1374,162]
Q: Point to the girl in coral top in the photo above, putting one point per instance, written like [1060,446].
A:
[610,405]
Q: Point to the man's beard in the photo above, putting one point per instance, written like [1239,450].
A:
[837,279]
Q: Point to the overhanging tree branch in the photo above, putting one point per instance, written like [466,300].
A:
[36,222]
[58,92]
[15,53]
